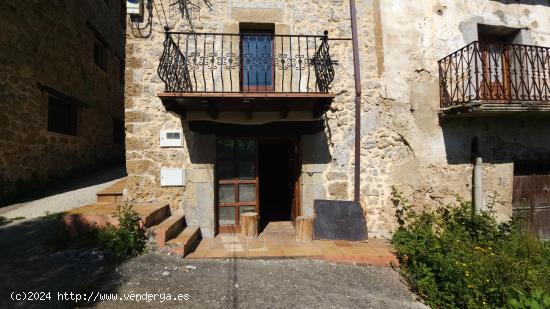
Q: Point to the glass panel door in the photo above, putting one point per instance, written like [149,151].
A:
[237,181]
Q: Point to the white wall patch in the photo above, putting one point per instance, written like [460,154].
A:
[172,177]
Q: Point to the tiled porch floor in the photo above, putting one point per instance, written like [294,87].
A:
[278,241]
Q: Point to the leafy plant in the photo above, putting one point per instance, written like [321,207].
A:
[538,299]
[125,240]
[455,257]
[128,239]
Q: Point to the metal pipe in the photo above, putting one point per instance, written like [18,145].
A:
[357,74]
[477,177]
[478,183]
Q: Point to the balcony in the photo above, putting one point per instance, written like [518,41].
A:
[246,72]
[486,78]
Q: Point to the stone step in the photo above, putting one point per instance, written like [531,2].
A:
[110,198]
[113,193]
[183,243]
[152,214]
[169,228]
[103,213]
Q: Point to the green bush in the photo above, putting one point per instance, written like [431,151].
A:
[457,258]
[538,299]
[126,240]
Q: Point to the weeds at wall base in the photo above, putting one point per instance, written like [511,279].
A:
[454,257]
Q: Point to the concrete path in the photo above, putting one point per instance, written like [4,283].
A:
[75,193]
[260,283]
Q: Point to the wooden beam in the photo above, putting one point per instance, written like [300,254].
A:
[176,108]
[319,110]
[251,95]
[212,111]
[284,110]
[304,229]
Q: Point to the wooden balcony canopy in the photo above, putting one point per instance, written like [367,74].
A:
[255,72]
[213,103]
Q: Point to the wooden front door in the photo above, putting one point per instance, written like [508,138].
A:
[531,198]
[237,181]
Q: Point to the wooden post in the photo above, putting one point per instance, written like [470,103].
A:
[249,225]
[304,229]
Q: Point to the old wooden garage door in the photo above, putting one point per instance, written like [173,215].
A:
[531,198]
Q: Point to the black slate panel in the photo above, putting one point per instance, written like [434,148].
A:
[339,220]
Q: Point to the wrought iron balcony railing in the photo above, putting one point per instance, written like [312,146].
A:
[255,62]
[496,73]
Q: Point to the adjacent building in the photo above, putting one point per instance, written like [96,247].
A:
[248,105]
[61,90]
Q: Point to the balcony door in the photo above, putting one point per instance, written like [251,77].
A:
[257,59]
[496,71]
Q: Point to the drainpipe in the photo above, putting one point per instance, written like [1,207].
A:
[478,184]
[357,74]
[477,179]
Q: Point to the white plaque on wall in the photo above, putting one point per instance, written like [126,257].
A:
[172,177]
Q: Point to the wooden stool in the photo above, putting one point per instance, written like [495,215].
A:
[249,225]
[304,229]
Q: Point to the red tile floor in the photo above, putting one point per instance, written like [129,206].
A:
[278,241]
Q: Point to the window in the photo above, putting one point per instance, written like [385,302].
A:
[257,57]
[100,55]
[489,33]
[118,131]
[62,116]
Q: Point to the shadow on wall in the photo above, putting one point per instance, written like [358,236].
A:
[501,140]
[201,137]
[29,262]
[525,2]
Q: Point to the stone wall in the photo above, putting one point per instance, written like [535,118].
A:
[403,143]
[52,43]
[440,165]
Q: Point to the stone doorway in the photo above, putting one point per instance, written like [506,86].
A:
[277,172]
[260,175]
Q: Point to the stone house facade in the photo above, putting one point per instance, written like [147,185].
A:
[61,90]
[417,134]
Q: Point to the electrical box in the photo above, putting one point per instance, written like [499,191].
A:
[134,7]
[171,138]
[172,177]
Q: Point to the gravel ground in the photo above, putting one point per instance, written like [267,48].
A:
[290,283]
[77,193]
[26,265]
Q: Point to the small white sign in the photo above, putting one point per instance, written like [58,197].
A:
[171,138]
[172,177]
